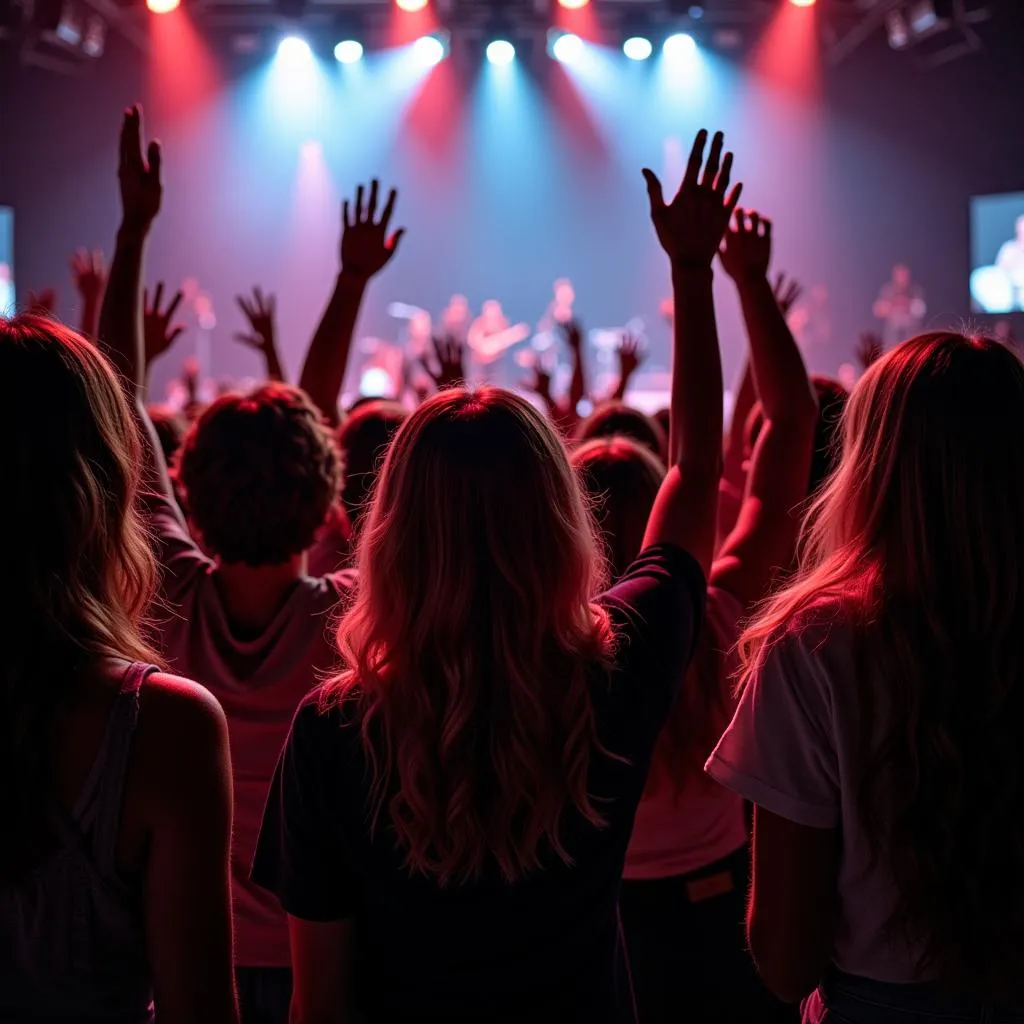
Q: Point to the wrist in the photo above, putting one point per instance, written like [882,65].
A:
[353,278]
[132,232]
[691,270]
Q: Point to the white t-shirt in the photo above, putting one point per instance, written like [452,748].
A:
[793,748]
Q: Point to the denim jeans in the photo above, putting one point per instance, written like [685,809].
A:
[845,999]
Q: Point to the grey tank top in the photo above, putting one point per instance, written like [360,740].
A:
[72,936]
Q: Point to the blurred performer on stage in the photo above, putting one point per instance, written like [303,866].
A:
[900,306]
[490,342]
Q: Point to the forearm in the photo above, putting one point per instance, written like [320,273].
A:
[745,397]
[323,372]
[120,322]
[89,322]
[696,396]
[578,383]
[778,367]
[275,370]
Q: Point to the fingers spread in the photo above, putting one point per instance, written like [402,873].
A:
[654,191]
[696,158]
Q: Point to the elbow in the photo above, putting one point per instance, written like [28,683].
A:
[790,976]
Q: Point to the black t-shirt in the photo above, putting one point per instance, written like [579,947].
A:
[543,949]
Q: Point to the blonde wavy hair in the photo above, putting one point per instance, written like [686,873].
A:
[917,543]
[77,560]
[472,644]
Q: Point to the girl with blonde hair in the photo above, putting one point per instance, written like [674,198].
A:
[880,732]
[452,809]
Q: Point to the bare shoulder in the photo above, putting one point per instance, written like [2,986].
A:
[174,700]
[179,721]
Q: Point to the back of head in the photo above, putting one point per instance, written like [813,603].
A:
[918,540]
[170,426]
[260,472]
[622,478]
[77,556]
[616,418]
[363,439]
[472,635]
[832,398]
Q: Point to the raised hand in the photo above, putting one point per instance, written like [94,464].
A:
[747,248]
[869,349]
[139,178]
[42,303]
[631,354]
[366,246]
[786,292]
[260,311]
[691,226]
[89,273]
[157,333]
[449,355]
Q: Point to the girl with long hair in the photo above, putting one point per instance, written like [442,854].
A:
[453,808]
[686,870]
[114,902]
[880,732]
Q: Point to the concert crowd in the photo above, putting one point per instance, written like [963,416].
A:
[505,707]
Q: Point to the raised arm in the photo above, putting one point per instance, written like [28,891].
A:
[690,229]
[141,193]
[762,541]
[261,312]
[573,333]
[631,355]
[89,274]
[366,248]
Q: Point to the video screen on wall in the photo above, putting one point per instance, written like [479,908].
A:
[7,297]
[997,253]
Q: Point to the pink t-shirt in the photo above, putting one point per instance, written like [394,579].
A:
[679,830]
[792,748]
[260,683]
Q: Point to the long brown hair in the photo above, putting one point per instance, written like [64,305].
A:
[77,563]
[469,650]
[917,543]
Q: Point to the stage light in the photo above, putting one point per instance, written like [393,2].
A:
[411,5]
[679,46]
[501,52]
[162,6]
[348,51]
[637,48]
[896,30]
[429,50]
[293,50]
[573,5]
[802,3]
[565,47]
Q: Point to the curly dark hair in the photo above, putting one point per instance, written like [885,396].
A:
[260,473]
[364,438]
[614,418]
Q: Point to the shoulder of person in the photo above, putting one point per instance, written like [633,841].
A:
[175,711]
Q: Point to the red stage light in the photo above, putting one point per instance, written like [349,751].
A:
[411,5]
[573,5]
[802,3]
[162,6]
